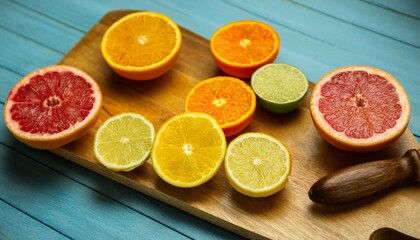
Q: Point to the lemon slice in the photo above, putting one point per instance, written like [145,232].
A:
[189,149]
[124,141]
[280,88]
[257,165]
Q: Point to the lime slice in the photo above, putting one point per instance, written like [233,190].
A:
[257,164]
[124,141]
[280,88]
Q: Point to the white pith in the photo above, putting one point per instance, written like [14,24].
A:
[134,164]
[15,127]
[256,162]
[377,137]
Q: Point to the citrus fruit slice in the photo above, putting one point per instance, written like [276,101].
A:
[142,45]
[124,141]
[188,150]
[359,108]
[280,87]
[52,106]
[257,164]
[239,48]
[229,100]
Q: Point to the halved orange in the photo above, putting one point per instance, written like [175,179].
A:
[229,100]
[142,45]
[239,48]
[188,150]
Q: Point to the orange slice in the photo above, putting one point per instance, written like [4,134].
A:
[142,45]
[229,100]
[188,150]
[239,48]
[359,108]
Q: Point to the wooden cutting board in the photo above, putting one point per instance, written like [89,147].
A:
[288,214]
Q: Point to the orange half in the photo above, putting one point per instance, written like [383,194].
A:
[229,100]
[142,45]
[239,48]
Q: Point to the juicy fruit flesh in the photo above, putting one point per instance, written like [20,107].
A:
[138,41]
[225,100]
[188,149]
[279,83]
[244,43]
[257,162]
[359,104]
[125,140]
[52,102]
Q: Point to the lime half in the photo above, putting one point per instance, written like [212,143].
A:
[280,88]
[124,142]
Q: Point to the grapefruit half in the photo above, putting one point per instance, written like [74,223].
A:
[52,106]
[359,108]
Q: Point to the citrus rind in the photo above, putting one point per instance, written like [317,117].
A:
[147,72]
[206,177]
[230,128]
[260,192]
[243,70]
[135,163]
[273,105]
[57,140]
[376,142]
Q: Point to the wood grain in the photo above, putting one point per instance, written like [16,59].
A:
[288,214]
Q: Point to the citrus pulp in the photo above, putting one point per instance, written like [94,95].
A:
[123,142]
[142,45]
[280,87]
[257,164]
[189,149]
[359,108]
[229,100]
[52,106]
[239,48]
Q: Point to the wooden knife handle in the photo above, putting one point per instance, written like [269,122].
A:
[364,179]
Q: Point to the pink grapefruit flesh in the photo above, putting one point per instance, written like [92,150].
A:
[359,108]
[52,106]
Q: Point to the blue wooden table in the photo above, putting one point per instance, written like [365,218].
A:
[43,196]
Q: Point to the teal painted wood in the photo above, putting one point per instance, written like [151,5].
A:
[376,19]
[15,224]
[22,55]
[408,7]
[43,30]
[8,80]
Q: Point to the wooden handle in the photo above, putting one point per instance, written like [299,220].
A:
[364,179]
[390,234]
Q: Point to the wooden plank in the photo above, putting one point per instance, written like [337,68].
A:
[216,201]
[53,203]
[407,7]
[41,29]
[35,56]
[64,12]
[160,212]
[14,225]
[8,80]
[371,17]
